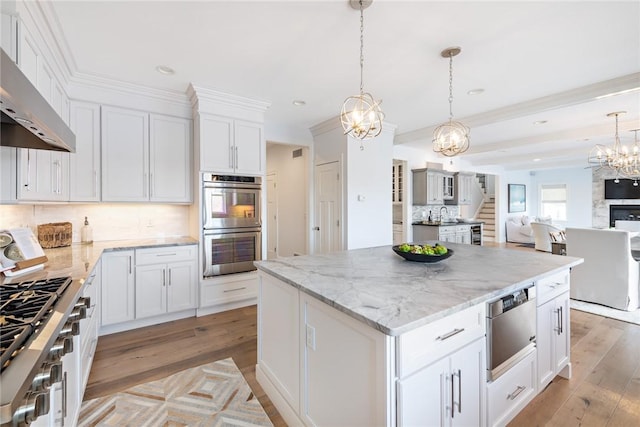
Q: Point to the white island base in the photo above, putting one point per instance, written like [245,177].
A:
[322,366]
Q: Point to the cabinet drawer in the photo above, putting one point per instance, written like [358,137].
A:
[510,393]
[463,228]
[447,229]
[421,346]
[166,254]
[552,286]
[223,292]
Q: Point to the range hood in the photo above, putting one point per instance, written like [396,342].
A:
[28,121]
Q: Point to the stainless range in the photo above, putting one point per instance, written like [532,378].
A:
[39,319]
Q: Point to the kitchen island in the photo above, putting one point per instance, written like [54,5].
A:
[364,337]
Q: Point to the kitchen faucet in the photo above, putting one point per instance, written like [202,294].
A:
[446,211]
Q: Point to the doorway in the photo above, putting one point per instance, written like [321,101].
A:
[328,230]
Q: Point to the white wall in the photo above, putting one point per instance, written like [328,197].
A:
[109,221]
[579,194]
[369,207]
[292,197]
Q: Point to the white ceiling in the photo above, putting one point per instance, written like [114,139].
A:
[548,60]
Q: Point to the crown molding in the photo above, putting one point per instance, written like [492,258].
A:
[204,99]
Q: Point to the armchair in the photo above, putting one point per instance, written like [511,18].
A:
[519,230]
[542,236]
[609,275]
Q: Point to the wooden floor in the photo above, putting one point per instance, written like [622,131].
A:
[146,354]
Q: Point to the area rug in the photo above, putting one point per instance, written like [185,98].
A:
[214,394]
[601,310]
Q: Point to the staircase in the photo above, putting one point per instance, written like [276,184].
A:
[487,215]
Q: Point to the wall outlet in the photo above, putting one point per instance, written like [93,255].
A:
[311,337]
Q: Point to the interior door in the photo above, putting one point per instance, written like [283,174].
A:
[272,217]
[328,196]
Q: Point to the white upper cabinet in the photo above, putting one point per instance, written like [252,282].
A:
[84,167]
[42,175]
[125,155]
[145,157]
[231,146]
[170,152]
[28,55]
[9,35]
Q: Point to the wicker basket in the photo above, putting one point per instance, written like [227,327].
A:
[54,235]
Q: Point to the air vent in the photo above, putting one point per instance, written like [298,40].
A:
[297,153]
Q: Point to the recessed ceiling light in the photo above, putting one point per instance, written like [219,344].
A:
[299,103]
[475,91]
[163,69]
[536,160]
[539,122]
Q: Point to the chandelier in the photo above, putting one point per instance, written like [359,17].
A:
[451,138]
[361,115]
[618,157]
[631,168]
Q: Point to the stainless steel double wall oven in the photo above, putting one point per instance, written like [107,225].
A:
[232,233]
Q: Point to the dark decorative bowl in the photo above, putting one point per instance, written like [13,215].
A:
[421,257]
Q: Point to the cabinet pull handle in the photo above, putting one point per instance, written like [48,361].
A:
[144,184]
[129,264]
[459,391]
[95,184]
[169,277]
[560,326]
[172,254]
[517,392]
[449,334]
[28,184]
[236,163]
[559,319]
[236,289]
[150,185]
[452,404]
[164,277]
[64,397]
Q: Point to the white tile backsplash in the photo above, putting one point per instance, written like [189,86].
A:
[109,221]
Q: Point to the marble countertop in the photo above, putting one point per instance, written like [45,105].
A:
[394,296]
[78,260]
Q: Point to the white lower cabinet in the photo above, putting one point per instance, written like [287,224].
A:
[165,280]
[512,391]
[140,284]
[231,290]
[118,287]
[552,328]
[90,325]
[446,393]
[322,367]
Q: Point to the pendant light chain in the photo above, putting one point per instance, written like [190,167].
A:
[450,86]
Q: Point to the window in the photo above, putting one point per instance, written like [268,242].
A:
[553,201]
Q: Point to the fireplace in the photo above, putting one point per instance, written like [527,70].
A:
[623,212]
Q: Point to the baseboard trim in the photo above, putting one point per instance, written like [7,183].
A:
[287,413]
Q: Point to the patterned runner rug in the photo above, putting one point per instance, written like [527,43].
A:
[214,394]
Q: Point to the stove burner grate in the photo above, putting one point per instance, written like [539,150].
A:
[13,334]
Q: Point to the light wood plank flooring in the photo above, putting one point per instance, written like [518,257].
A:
[603,391]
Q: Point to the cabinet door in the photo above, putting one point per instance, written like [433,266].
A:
[170,152]
[249,148]
[9,36]
[562,337]
[545,335]
[217,153]
[117,295]
[467,373]
[125,155]
[84,168]
[435,188]
[28,55]
[181,285]
[8,174]
[424,397]
[45,81]
[42,175]
[151,290]
[339,347]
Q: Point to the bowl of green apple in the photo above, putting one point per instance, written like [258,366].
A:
[423,252]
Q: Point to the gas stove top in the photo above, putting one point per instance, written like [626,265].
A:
[23,308]
[38,320]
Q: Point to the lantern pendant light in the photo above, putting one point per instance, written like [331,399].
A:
[451,138]
[361,115]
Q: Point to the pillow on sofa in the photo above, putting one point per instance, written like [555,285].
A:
[544,219]
[525,220]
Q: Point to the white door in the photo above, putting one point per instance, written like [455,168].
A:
[272,217]
[328,222]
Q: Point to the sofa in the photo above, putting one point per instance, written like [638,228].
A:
[609,275]
[542,234]
[519,230]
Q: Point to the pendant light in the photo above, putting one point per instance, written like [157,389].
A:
[631,168]
[451,138]
[616,157]
[361,115]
